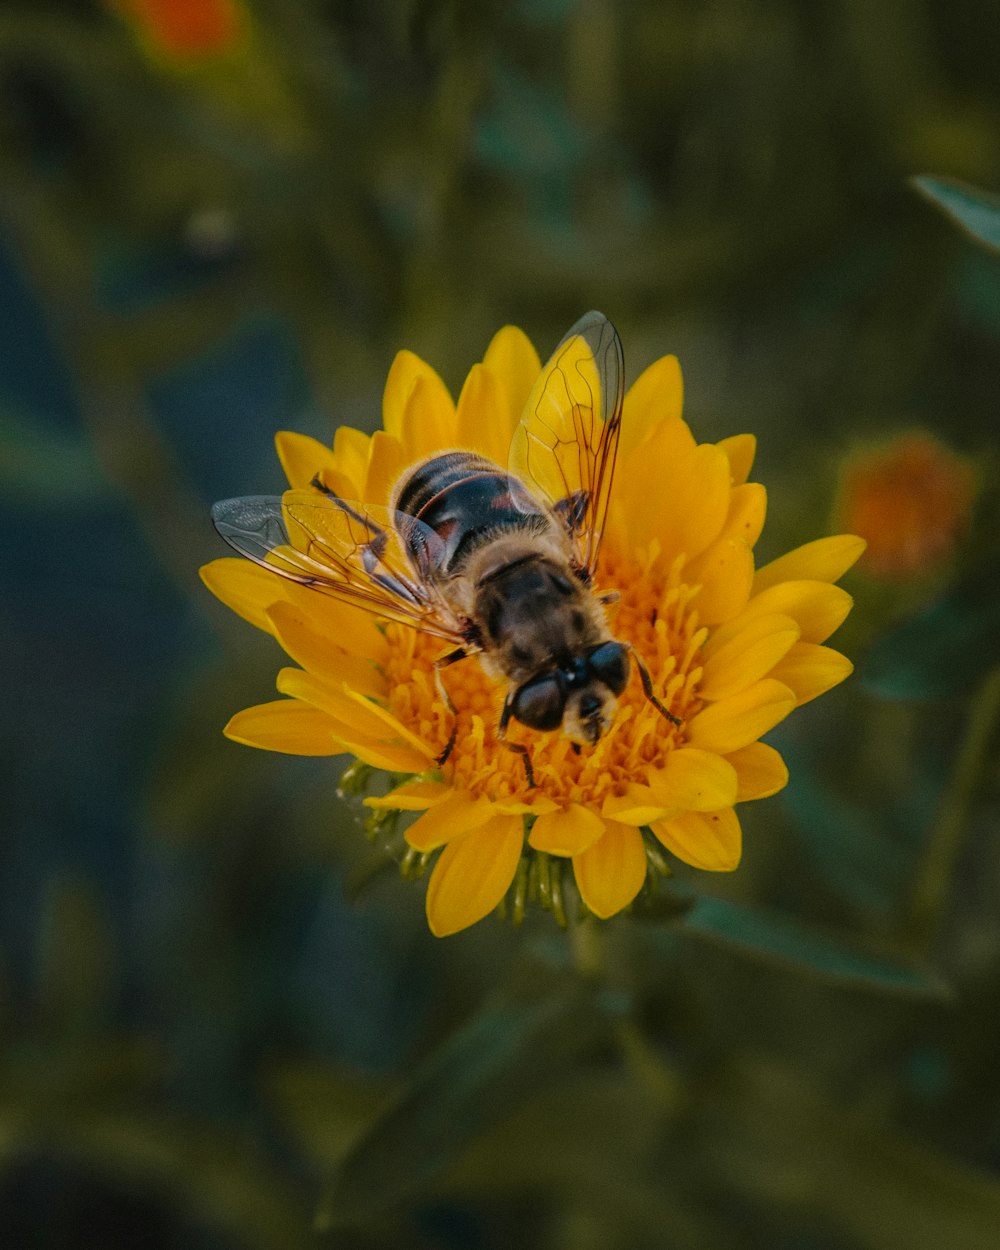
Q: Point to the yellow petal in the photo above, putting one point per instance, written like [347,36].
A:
[694,780]
[363,721]
[539,806]
[741,719]
[818,607]
[654,399]
[285,725]
[391,757]
[609,874]
[412,796]
[709,840]
[416,407]
[566,832]
[744,656]
[824,560]
[303,457]
[385,467]
[512,359]
[473,874]
[810,670]
[682,504]
[311,647]
[637,806]
[245,587]
[740,450]
[725,574]
[481,419]
[428,420]
[458,814]
[747,509]
[760,771]
[354,629]
[351,449]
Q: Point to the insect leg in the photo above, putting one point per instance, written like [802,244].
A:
[647,687]
[517,747]
[344,506]
[451,658]
[572,511]
[374,549]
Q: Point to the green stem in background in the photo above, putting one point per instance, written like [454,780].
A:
[587,947]
[928,896]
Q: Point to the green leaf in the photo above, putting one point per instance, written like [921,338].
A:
[975,212]
[944,648]
[774,938]
[510,1048]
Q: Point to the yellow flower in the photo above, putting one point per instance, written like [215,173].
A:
[731,651]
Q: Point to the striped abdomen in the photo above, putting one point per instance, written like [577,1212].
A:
[466,500]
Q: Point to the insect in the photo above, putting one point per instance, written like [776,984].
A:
[496,562]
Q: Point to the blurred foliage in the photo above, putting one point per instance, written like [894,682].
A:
[223,218]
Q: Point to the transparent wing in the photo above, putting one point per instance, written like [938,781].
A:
[359,553]
[565,445]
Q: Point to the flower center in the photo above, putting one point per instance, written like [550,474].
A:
[653,613]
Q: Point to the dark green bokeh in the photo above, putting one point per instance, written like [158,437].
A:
[212,1031]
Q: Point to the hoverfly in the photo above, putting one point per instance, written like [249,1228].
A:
[496,562]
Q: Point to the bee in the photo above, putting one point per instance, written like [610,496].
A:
[496,562]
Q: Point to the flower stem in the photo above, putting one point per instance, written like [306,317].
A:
[931,883]
[587,947]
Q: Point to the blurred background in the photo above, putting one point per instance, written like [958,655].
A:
[223,1025]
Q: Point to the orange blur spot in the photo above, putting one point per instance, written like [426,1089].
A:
[185,29]
[911,500]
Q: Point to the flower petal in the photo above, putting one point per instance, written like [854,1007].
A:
[694,780]
[742,718]
[760,771]
[810,670]
[655,400]
[428,420]
[512,359]
[825,560]
[314,650]
[386,465]
[725,574]
[411,796]
[361,723]
[609,874]
[744,656]
[416,407]
[747,509]
[709,840]
[245,587]
[473,874]
[637,806]
[818,607]
[455,815]
[684,503]
[740,450]
[351,449]
[481,422]
[567,831]
[303,457]
[286,725]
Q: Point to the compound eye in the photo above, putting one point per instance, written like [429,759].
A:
[539,704]
[609,663]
